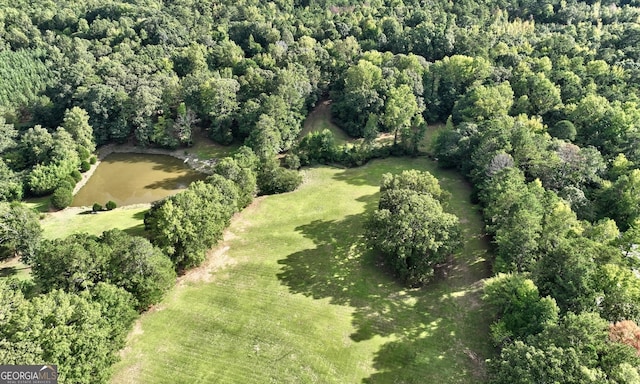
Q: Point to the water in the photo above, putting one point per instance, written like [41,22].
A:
[129,178]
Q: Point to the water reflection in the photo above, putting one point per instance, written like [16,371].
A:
[129,178]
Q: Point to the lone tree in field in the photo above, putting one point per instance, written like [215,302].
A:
[410,227]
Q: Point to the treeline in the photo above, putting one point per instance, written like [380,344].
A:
[563,219]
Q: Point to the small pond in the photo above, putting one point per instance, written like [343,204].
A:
[131,178]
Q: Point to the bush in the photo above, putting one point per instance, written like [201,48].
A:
[83,153]
[96,207]
[273,179]
[85,166]
[292,161]
[77,176]
[93,160]
[62,197]
[111,205]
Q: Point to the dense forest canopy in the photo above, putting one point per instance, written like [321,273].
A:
[540,107]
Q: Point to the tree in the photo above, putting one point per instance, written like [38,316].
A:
[76,122]
[244,178]
[35,146]
[401,109]
[411,230]
[621,200]
[564,130]
[73,264]
[417,181]
[8,134]
[520,310]
[186,225]
[483,103]
[219,104]
[138,267]
[567,274]
[619,289]
[10,183]
[273,179]
[20,231]
[62,197]
[626,332]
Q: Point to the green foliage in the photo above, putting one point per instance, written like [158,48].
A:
[244,179]
[111,205]
[564,130]
[520,310]
[138,267]
[76,122]
[96,207]
[576,350]
[76,175]
[186,225]
[23,75]
[317,148]
[410,228]
[83,331]
[273,179]
[83,262]
[10,184]
[483,103]
[20,231]
[62,197]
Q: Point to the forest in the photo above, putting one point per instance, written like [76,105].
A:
[535,103]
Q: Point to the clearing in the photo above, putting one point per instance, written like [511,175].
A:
[293,296]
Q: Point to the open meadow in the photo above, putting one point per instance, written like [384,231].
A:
[293,296]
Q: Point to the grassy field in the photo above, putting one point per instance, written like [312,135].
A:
[73,220]
[293,296]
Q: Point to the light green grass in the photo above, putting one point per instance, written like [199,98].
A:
[320,119]
[73,220]
[300,299]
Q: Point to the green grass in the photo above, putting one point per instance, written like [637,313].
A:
[299,299]
[14,268]
[40,204]
[72,220]
[205,148]
[320,119]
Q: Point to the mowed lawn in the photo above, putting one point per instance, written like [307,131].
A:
[293,296]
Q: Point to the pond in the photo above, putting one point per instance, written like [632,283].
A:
[131,178]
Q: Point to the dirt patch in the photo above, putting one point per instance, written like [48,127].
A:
[217,259]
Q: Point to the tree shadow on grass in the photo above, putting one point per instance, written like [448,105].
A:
[429,345]
[8,271]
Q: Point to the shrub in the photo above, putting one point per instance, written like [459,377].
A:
[96,207]
[77,176]
[111,205]
[273,179]
[83,153]
[85,166]
[93,160]
[62,197]
[292,161]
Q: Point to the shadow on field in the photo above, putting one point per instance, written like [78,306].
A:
[424,322]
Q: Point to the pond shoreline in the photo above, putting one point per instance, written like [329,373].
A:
[203,166]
